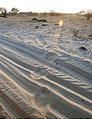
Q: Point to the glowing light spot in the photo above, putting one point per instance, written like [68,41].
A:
[60,23]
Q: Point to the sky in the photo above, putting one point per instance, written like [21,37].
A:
[65,6]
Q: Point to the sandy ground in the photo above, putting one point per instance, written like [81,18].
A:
[43,71]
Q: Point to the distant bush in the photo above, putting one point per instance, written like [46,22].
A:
[3,12]
[53,13]
[88,15]
[14,11]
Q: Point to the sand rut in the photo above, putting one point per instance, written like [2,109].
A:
[41,83]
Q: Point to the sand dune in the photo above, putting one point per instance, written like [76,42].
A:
[40,79]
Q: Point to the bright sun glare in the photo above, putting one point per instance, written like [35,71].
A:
[60,23]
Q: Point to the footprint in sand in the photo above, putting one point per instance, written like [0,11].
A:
[44,72]
[42,97]
[50,56]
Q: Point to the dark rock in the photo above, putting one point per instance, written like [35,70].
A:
[86,25]
[83,100]
[35,19]
[83,48]
[56,24]
[44,24]
[63,28]
[42,20]
[56,63]
[36,27]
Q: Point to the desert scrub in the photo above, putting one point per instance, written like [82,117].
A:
[88,14]
[4,12]
[78,34]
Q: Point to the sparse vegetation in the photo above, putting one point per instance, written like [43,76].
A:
[3,12]
[88,15]
[53,13]
[81,12]
[14,11]
[75,32]
[78,34]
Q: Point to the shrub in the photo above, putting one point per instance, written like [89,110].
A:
[53,13]
[88,15]
[3,12]
[14,11]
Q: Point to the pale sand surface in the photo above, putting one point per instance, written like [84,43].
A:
[43,74]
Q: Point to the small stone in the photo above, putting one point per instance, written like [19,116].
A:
[63,28]
[36,27]
[83,48]
[83,100]
[86,25]
[44,24]
[56,24]
[43,20]
[35,20]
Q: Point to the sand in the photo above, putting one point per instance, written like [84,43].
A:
[43,73]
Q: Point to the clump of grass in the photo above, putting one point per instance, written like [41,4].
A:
[78,34]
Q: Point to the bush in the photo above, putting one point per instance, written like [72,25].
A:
[3,12]
[53,13]
[88,15]
[14,11]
